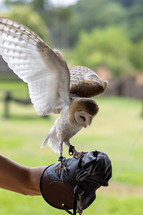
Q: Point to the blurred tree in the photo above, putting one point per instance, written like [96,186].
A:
[57,20]
[95,14]
[106,45]
[125,13]
[31,19]
[127,3]
[109,46]
[98,13]
[133,18]
[65,23]
[59,25]
[136,55]
[135,21]
[43,7]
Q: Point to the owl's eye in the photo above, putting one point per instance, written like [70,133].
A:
[83,118]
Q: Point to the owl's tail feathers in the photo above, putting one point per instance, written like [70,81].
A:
[52,140]
[45,141]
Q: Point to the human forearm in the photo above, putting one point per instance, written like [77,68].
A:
[18,178]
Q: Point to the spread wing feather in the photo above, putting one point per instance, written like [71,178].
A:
[85,82]
[37,64]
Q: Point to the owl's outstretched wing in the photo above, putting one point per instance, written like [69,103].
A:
[84,82]
[37,64]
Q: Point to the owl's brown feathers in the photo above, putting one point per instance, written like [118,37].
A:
[87,88]
[84,82]
[84,104]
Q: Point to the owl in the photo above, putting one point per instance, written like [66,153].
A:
[53,86]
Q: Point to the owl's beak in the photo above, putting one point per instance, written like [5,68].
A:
[88,121]
[85,125]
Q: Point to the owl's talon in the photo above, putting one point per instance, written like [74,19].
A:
[78,154]
[73,152]
[61,165]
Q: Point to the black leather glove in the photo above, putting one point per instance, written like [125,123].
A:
[75,188]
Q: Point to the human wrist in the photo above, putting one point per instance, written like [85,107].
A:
[34,180]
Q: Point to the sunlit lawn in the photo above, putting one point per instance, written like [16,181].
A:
[116,130]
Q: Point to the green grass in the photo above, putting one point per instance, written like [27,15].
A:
[14,85]
[17,89]
[115,130]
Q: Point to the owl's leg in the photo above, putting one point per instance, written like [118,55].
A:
[72,151]
[61,159]
[71,148]
[75,153]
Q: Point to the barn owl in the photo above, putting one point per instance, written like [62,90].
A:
[53,86]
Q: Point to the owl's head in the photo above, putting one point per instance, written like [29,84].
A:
[82,111]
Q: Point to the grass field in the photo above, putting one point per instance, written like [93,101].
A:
[116,130]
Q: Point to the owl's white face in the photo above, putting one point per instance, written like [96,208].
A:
[83,118]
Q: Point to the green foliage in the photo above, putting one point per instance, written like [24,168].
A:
[136,55]
[134,20]
[25,15]
[56,18]
[98,13]
[59,18]
[83,16]
[109,46]
[87,30]
[125,13]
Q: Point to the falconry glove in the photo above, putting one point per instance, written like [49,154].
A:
[76,187]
